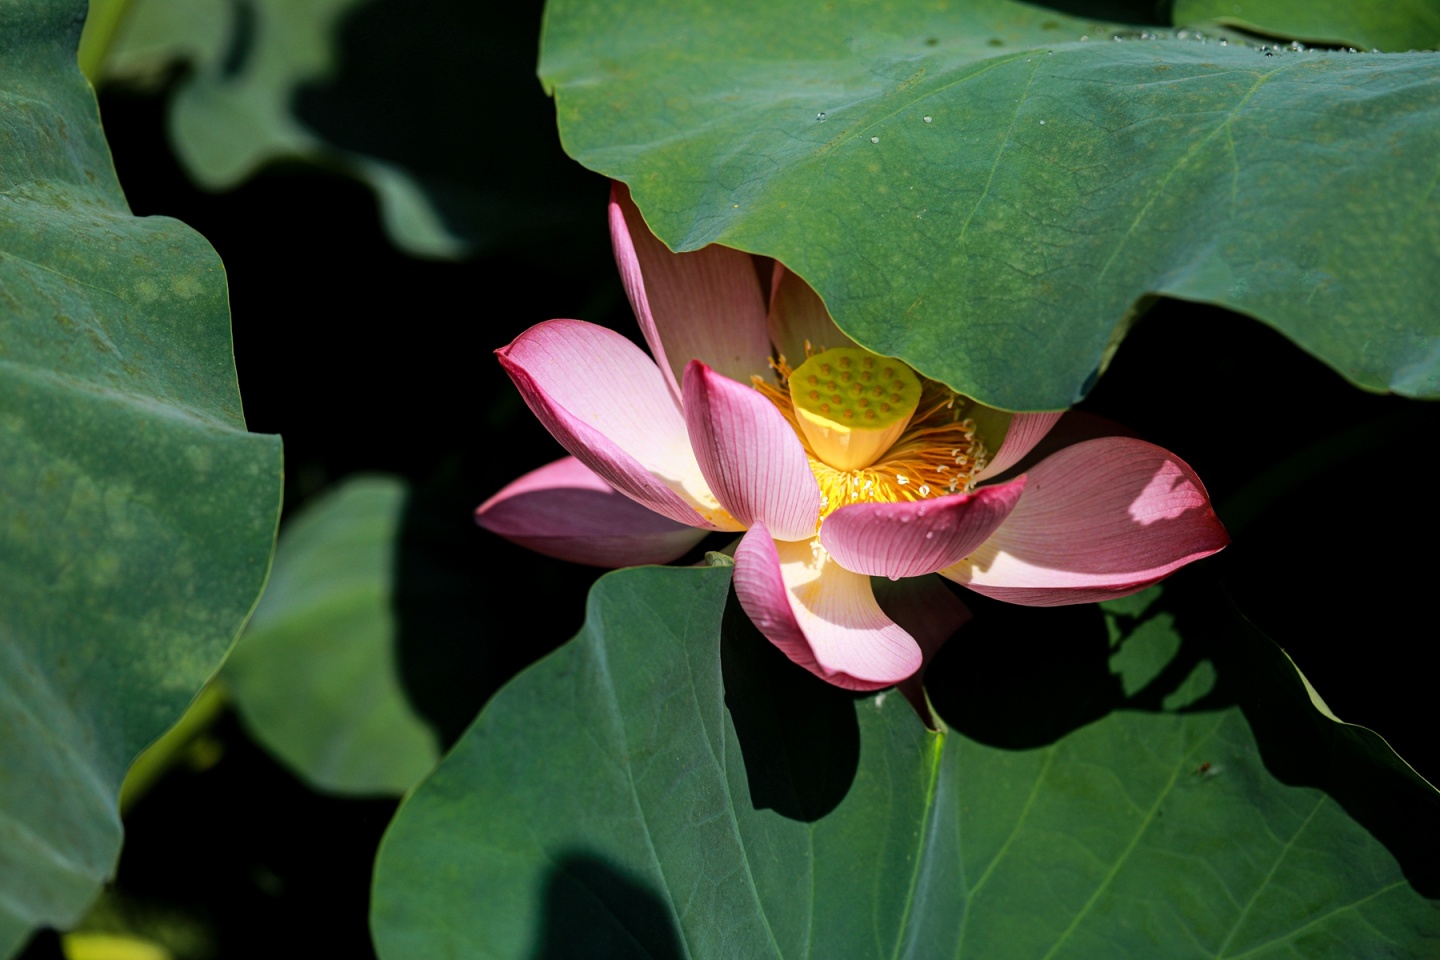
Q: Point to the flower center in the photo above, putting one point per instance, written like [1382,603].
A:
[852,405]
[917,445]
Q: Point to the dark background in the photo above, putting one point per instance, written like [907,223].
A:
[367,360]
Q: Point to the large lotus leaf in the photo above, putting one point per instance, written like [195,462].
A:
[138,515]
[315,676]
[1397,25]
[433,104]
[666,787]
[974,189]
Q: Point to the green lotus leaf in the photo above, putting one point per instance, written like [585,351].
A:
[668,785]
[991,190]
[315,676]
[138,514]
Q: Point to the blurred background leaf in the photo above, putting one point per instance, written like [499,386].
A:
[1395,26]
[980,192]
[667,788]
[139,514]
[435,106]
[367,360]
[316,677]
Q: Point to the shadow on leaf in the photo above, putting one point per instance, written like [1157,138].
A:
[1023,677]
[596,911]
[1019,678]
[798,735]
[1302,747]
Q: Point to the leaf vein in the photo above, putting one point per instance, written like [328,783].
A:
[1195,148]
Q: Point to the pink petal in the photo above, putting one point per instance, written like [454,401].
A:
[1098,520]
[565,510]
[1025,430]
[821,615]
[750,455]
[912,539]
[706,305]
[798,316]
[601,397]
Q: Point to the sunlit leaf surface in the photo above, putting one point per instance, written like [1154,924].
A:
[977,189]
[663,787]
[316,676]
[138,515]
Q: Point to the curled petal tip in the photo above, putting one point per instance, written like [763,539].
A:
[607,404]
[1099,520]
[911,539]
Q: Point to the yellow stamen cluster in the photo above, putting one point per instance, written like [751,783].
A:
[935,452]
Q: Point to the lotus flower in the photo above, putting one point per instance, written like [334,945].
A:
[845,466]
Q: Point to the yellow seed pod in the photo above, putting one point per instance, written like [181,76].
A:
[848,429]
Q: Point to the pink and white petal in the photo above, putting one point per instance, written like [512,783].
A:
[819,614]
[926,609]
[565,510]
[924,536]
[607,404]
[798,316]
[1098,520]
[705,305]
[749,455]
[1024,431]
